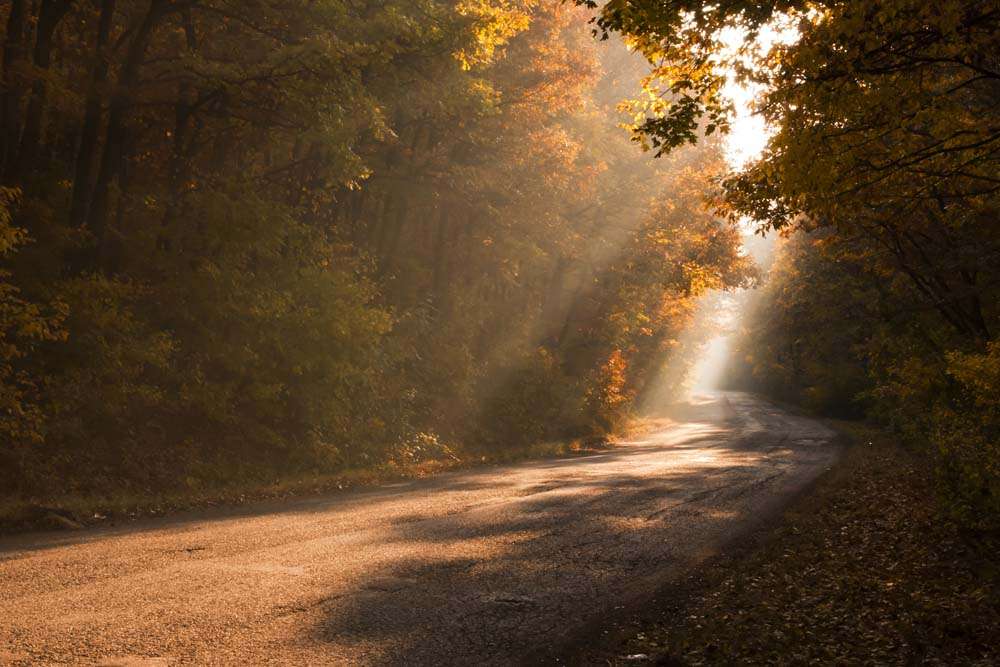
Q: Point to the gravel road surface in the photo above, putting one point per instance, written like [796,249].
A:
[497,565]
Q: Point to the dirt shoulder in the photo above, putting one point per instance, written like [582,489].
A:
[866,569]
[19,515]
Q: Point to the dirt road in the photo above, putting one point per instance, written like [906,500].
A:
[493,566]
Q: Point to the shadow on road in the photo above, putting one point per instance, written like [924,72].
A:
[502,582]
[497,565]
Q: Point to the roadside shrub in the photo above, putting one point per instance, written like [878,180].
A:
[23,326]
[968,436]
[113,385]
[607,401]
[526,402]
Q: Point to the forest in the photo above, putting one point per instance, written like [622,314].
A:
[251,238]
[883,179]
[247,239]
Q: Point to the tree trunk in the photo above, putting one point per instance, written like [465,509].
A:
[180,170]
[83,174]
[121,102]
[49,17]
[10,98]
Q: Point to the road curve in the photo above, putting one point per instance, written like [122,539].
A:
[480,567]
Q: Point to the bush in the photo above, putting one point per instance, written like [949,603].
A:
[968,435]
[526,402]
[23,326]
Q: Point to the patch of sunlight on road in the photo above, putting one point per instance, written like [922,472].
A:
[678,432]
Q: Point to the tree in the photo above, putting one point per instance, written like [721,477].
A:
[287,236]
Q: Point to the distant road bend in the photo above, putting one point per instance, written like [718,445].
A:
[481,567]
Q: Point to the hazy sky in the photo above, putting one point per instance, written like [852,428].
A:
[749,132]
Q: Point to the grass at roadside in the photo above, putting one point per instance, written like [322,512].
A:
[19,515]
[864,570]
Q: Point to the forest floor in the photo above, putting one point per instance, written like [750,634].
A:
[865,569]
[72,512]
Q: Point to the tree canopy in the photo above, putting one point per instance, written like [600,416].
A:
[883,168]
[262,237]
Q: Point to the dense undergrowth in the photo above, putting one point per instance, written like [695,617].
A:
[111,506]
[817,335]
[881,177]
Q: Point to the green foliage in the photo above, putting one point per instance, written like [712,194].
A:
[884,163]
[532,401]
[829,333]
[293,238]
[805,331]
[113,377]
[23,326]
[967,433]
[684,43]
